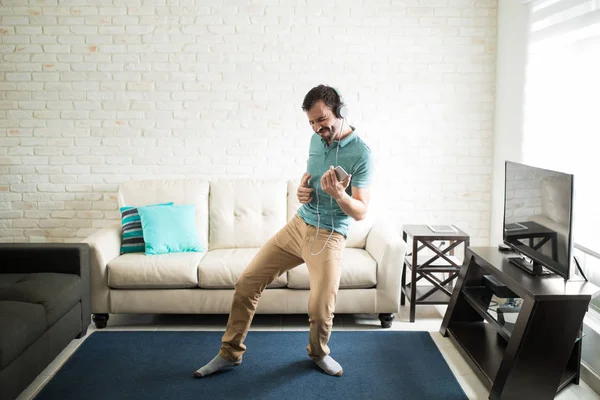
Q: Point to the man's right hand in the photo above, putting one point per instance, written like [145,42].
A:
[304,191]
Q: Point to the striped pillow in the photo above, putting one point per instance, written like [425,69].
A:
[132,237]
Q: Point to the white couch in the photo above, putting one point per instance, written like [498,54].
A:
[234,218]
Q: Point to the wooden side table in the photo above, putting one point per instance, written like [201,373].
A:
[424,267]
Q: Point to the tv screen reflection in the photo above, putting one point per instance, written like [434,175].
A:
[537,212]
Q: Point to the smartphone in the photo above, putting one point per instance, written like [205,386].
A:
[340,173]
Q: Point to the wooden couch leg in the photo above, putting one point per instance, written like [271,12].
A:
[100,320]
[386,319]
[82,333]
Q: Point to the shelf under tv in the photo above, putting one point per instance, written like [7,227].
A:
[540,353]
[484,349]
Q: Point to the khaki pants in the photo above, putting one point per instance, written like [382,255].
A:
[290,247]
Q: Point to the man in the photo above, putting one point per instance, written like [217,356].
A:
[315,236]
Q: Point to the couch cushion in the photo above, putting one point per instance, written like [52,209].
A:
[9,279]
[359,271]
[358,231]
[220,269]
[22,324]
[245,213]
[163,271]
[179,191]
[57,293]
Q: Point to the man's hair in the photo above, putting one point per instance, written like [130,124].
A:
[321,92]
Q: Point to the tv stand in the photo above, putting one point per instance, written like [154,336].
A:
[538,355]
[532,267]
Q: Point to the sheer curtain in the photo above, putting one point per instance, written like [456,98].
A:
[562,103]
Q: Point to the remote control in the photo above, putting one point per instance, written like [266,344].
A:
[504,248]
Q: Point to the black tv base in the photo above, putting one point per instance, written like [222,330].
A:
[532,267]
[537,356]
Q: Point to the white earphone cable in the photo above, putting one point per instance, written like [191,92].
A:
[330,203]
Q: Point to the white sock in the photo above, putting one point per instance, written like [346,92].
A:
[330,366]
[216,364]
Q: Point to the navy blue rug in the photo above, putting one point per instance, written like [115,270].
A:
[160,365]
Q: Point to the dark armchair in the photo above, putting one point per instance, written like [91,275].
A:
[44,304]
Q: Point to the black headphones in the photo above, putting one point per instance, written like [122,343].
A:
[341,111]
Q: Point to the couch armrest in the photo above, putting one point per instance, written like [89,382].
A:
[105,245]
[386,246]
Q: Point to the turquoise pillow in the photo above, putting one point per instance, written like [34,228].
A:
[170,229]
[132,238]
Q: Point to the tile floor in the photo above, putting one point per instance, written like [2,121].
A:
[429,319]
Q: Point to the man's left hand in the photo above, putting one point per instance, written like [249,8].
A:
[332,186]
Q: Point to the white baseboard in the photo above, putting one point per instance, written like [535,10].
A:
[590,377]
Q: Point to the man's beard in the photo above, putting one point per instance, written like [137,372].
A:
[328,133]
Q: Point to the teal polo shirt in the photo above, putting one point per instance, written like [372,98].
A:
[355,157]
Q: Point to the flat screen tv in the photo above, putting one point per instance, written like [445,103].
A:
[538,214]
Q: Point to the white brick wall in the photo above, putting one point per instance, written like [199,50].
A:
[97,92]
